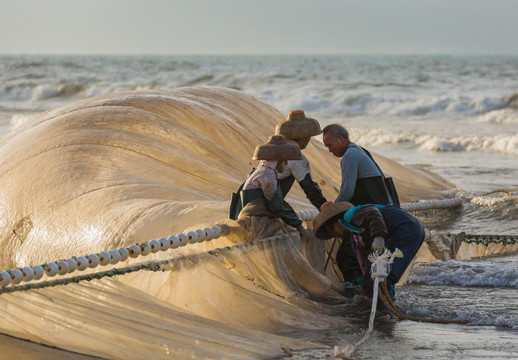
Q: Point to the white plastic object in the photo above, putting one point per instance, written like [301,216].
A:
[124,253]
[144,248]
[174,241]
[28,273]
[62,267]
[193,237]
[5,278]
[184,240]
[217,231]
[164,244]
[115,256]
[51,269]
[154,245]
[93,260]
[201,235]
[72,265]
[104,258]
[134,250]
[209,233]
[82,263]
[16,276]
[38,272]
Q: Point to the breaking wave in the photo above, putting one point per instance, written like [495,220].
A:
[503,143]
[462,273]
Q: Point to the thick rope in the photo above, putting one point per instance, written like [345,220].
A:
[351,349]
[103,258]
[487,239]
[380,269]
[154,265]
[63,267]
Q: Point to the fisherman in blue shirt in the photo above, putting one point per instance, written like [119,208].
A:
[374,227]
[362,183]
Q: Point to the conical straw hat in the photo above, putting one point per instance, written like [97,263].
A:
[298,126]
[329,214]
[277,148]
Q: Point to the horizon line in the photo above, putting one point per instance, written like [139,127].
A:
[263,54]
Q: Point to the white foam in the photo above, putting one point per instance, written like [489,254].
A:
[18,120]
[501,116]
[323,100]
[43,92]
[502,143]
[460,273]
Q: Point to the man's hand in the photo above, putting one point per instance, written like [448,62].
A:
[326,204]
[378,244]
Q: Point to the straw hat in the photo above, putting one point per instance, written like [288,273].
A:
[277,148]
[328,214]
[298,126]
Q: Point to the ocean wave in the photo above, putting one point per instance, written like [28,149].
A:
[461,273]
[333,101]
[502,143]
[279,90]
[18,120]
[41,92]
[501,116]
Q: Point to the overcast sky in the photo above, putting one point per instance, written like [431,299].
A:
[258,27]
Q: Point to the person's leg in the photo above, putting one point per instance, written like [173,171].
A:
[408,238]
[347,261]
[362,254]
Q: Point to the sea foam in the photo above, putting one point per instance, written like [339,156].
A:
[502,143]
[461,273]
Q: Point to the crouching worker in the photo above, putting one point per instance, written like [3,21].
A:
[374,227]
[261,194]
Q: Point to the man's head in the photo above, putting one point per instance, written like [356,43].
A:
[298,127]
[336,139]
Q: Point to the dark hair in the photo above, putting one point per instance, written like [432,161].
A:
[335,130]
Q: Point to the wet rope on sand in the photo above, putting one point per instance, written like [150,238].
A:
[380,269]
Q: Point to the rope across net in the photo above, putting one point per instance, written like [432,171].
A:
[13,277]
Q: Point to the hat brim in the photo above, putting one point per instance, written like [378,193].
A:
[298,129]
[277,152]
[329,214]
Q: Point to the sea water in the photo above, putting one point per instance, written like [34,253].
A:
[456,116]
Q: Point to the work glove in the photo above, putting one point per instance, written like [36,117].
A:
[378,244]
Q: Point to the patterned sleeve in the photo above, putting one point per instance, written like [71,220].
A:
[268,183]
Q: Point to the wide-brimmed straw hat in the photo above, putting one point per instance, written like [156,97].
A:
[329,214]
[277,148]
[298,126]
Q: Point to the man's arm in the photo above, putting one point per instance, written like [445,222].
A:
[370,219]
[282,209]
[312,191]
[349,165]
[301,171]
